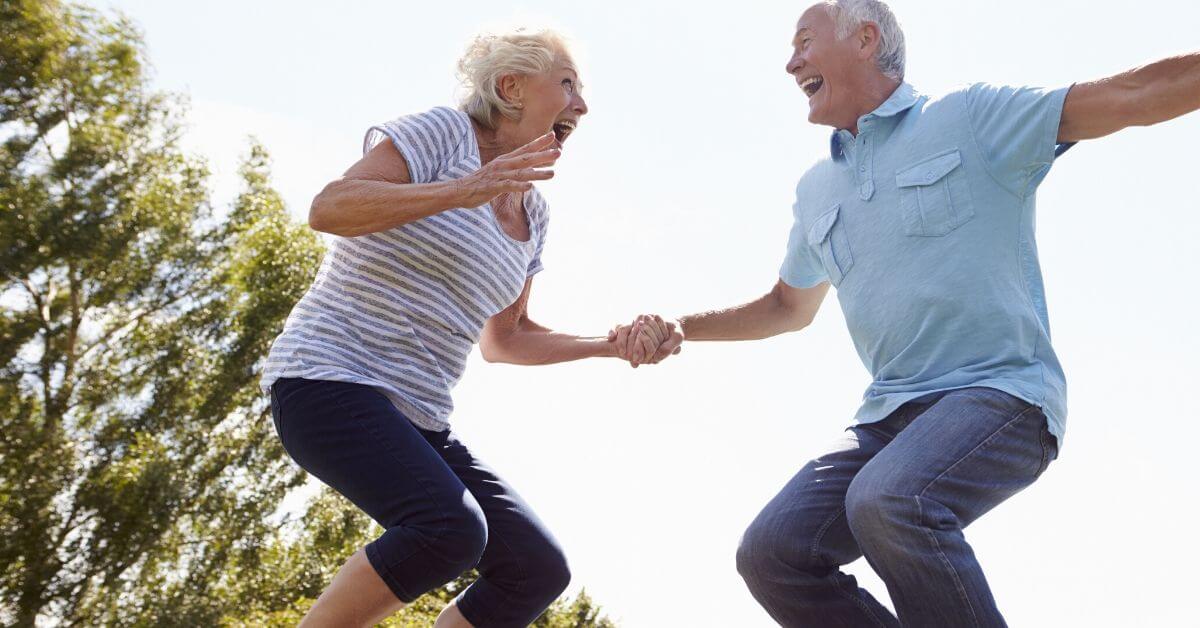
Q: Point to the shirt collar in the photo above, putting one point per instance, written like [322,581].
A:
[901,100]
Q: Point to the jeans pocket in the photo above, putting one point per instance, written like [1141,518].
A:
[935,196]
[828,236]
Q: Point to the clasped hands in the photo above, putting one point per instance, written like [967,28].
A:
[647,340]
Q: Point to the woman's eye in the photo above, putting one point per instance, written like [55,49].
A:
[569,85]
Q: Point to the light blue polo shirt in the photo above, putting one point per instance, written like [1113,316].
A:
[924,223]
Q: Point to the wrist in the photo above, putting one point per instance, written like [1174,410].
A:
[681,323]
[457,193]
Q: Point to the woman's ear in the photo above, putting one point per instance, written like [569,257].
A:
[512,89]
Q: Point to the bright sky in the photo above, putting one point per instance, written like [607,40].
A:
[674,196]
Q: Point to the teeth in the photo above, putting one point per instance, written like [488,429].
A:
[810,81]
[567,124]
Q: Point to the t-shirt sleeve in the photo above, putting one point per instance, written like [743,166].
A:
[801,267]
[541,215]
[1017,130]
[428,141]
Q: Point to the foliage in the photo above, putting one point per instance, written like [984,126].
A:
[141,482]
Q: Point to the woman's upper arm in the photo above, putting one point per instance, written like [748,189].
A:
[382,163]
[500,327]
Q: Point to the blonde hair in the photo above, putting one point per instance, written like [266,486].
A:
[491,56]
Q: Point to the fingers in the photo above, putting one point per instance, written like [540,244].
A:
[538,144]
[671,346]
[619,336]
[534,160]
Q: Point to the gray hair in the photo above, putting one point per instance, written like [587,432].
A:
[492,56]
[849,15]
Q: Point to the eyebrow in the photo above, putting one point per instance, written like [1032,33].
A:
[800,31]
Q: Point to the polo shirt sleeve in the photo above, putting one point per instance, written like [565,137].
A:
[802,267]
[1017,130]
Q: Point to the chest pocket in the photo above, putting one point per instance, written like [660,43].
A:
[828,235]
[935,197]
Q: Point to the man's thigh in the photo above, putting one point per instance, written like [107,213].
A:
[969,451]
[804,525]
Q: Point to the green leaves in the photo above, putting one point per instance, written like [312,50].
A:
[141,481]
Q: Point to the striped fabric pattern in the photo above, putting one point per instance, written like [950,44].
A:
[400,310]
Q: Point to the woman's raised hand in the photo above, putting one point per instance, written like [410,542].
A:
[512,172]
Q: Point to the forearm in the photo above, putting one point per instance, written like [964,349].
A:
[531,344]
[758,319]
[1143,96]
[1166,89]
[354,207]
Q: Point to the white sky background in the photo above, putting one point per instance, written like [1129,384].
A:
[675,195]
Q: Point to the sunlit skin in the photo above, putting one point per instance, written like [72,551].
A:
[550,106]
[549,102]
[848,82]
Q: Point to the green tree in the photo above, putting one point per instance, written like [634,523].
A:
[135,459]
[140,479]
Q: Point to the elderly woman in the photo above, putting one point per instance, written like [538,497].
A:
[439,233]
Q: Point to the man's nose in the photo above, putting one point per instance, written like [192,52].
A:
[794,64]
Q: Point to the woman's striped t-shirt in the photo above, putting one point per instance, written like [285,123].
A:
[399,310]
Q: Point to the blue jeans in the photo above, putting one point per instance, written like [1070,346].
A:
[899,492]
[442,509]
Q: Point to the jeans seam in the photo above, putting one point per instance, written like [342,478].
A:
[921,512]
[849,595]
[981,445]
[937,548]
[812,550]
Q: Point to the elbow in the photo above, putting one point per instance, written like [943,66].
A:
[321,210]
[493,352]
[316,215]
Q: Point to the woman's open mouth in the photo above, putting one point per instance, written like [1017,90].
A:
[562,129]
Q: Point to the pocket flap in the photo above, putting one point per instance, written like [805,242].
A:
[822,226]
[929,171]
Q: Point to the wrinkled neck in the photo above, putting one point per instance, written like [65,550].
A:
[495,142]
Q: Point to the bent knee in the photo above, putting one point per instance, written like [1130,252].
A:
[460,538]
[765,543]
[550,572]
[876,511]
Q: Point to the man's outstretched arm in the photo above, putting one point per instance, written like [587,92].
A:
[781,310]
[1143,96]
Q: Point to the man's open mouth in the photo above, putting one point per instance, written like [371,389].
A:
[812,85]
[562,129]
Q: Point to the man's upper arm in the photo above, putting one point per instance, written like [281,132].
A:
[1094,109]
[801,303]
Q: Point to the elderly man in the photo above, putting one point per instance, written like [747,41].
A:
[923,219]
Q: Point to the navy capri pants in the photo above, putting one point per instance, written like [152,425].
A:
[443,511]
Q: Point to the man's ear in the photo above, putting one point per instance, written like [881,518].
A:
[868,40]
